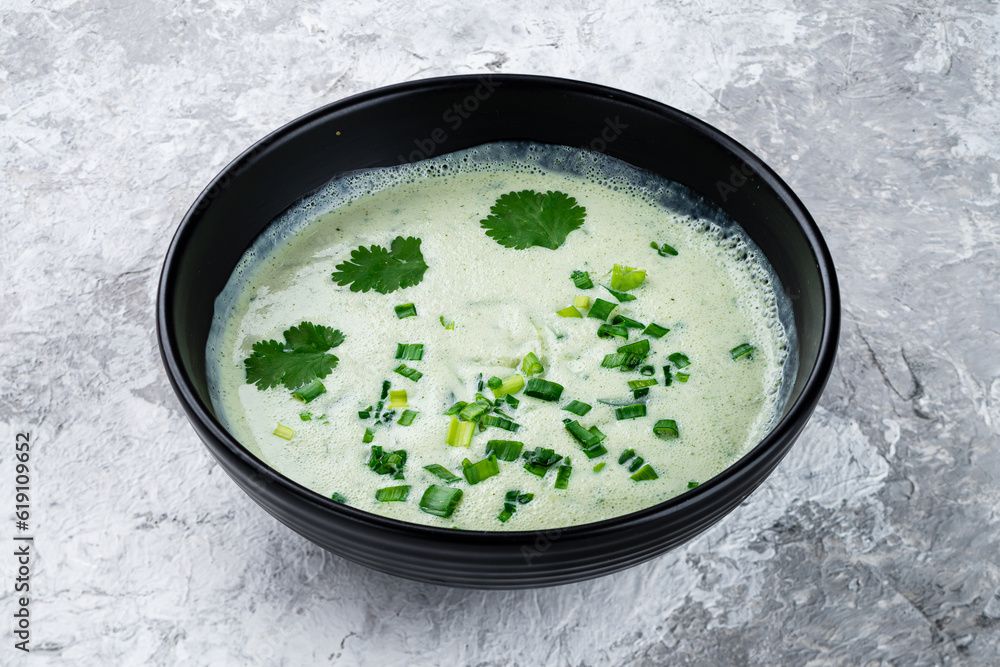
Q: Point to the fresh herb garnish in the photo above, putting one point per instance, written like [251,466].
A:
[410,351]
[543,389]
[625,278]
[405,310]
[442,472]
[528,218]
[540,460]
[601,309]
[530,364]
[744,350]
[338,498]
[309,391]
[656,331]
[283,432]
[679,359]
[645,473]
[407,417]
[582,280]
[392,494]
[666,428]
[630,412]
[562,476]
[484,469]
[383,270]
[662,249]
[408,373]
[504,450]
[569,311]
[460,433]
[440,500]
[384,462]
[578,408]
[300,359]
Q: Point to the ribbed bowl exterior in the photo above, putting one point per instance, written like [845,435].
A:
[396,124]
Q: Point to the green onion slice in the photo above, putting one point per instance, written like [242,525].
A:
[647,371]
[543,389]
[627,322]
[639,384]
[368,436]
[601,309]
[679,359]
[408,373]
[569,311]
[615,360]
[507,512]
[683,377]
[562,476]
[639,348]
[625,278]
[540,460]
[577,408]
[305,416]
[473,411]
[626,455]
[406,310]
[511,401]
[455,409]
[530,365]
[410,351]
[655,330]
[499,422]
[310,391]
[440,500]
[645,473]
[662,249]
[504,450]
[744,350]
[666,428]
[439,470]
[449,325]
[283,431]
[630,412]
[407,417]
[692,485]
[338,498]
[635,465]
[600,466]
[582,280]
[460,433]
[484,469]
[511,385]
[621,296]
[392,494]
[667,377]
[609,330]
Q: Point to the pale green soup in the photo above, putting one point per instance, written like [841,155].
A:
[715,294]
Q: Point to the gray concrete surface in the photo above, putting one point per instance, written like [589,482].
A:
[874,543]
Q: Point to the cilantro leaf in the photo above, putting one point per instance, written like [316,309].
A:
[300,359]
[383,270]
[528,218]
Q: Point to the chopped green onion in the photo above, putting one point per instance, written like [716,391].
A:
[630,412]
[609,330]
[410,351]
[597,433]
[387,463]
[440,500]
[455,409]
[692,485]
[540,460]
[482,399]
[494,382]
[577,408]
[500,413]
[505,450]
[569,311]
[543,389]
[639,348]
[507,512]
[591,442]
[511,385]
[460,433]
[485,469]
[283,431]
[666,428]
[499,422]
[406,310]
[338,498]
[524,498]
[408,373]
[366,413]
[635,465]
[646,472]
[683,377]
[614,360]
[647,371]
[581,302]
[479,384]
[626,455]
[744,350]
[439,470]
[473,411]
[655,330]
[562,476]
[600,466]
[581,279]
[392,494]
[385,388]
[627,322]
[639,384]
[511,401]
[667,378]
[309,391]
[449,325]
[662,249]
[621,296]
[397,398]
[679,359]
[625,278]
[601,309]
[530,364]
[407,417]
[368,436]
[305,416]
[639,393]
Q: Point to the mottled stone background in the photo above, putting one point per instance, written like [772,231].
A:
[875,541]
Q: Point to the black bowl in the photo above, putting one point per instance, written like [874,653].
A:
[412,121]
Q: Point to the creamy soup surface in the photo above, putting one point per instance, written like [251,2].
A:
[481,308]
